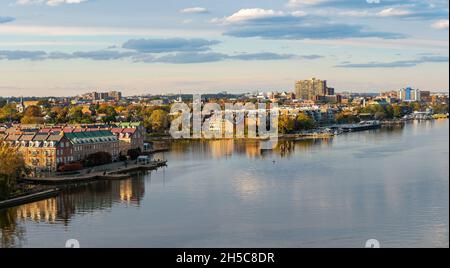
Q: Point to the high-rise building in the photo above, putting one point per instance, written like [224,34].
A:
[409,94]
[311,89]
[98,96]
[116,95]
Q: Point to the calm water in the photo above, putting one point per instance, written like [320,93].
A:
[391,185]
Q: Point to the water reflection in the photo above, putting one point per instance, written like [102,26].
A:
[218,149]
[75,200]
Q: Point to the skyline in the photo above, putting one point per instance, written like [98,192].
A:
[67,47]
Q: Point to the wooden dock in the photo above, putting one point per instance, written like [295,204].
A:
[117,174]
[29,198]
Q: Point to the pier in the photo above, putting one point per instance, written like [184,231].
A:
[119,173]
[29,198]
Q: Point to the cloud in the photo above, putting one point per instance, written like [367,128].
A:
[249,14]
[6,19]
[319,31]
[191,57]
[195,10]
[440,24]
[194,57]
[271,24]
[169,45]
[397,64]
[175,58]
[391,12]
[299,3]
[264,56]
[101,55]
[42,55]
[22,55]
[49,2]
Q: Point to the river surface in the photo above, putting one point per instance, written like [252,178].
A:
[390,184]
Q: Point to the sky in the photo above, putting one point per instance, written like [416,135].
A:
[68,47]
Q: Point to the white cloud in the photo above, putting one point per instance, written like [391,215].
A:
[355,13]
[440,24]
[48,2]
[393,12]
[297,3]
[250,14]
[299,14]
[373,1]
[195,10]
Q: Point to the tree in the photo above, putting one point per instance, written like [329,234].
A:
[12,166]
[32,115]
[398,111]
[285,124]
[346,118]
[97,159]
[303,122]
[75,114]
[8,113]
[109,112]
[134,153]
[440,108]
[380,115]
[159,121]
[59,114]
[33,111]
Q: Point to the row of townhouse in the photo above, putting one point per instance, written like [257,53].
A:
[46,151]
[131,135]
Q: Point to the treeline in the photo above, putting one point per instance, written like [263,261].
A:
[155,118]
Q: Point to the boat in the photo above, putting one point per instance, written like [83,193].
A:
[362,126]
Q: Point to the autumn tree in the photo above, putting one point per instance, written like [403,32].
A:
[285,124]
[158,121]
[12,166]
[303,122]
[8,113]
[109,112]
[346,118]
[32,115]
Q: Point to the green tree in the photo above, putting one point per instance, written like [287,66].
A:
[397,111]
[304,122]
[109,112]
[75,114]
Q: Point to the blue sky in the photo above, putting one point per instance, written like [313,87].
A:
[67,47]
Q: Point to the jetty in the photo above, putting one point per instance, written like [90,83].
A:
[29,198]
[119,173]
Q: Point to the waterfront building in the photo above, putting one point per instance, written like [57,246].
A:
[42,152]
[85,143]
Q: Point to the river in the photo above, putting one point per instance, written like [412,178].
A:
[390,184]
